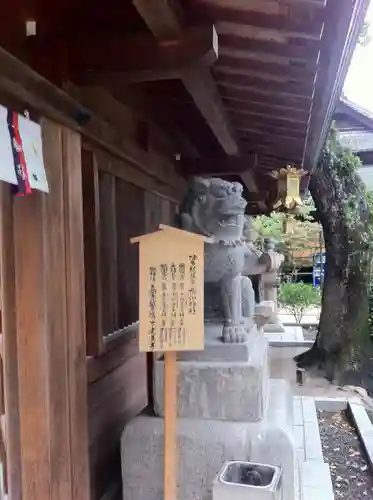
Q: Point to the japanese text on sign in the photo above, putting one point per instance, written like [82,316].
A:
[171,291]
[174,304]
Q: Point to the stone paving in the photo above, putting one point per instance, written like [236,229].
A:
[315,474]
[364,427]
[283,366]
[292,335]
[315,393]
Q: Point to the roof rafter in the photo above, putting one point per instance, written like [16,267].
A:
[295,19]
[140,58]
[165,23]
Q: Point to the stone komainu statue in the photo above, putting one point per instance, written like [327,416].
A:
[215,208]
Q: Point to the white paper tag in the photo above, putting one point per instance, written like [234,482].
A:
[30,133]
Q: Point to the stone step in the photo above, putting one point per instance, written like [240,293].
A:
[316,481]
[280,404]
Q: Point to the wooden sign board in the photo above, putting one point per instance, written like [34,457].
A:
[171,291]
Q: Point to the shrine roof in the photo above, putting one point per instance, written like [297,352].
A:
[243,87]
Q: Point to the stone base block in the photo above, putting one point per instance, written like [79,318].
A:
[262,314]
[203,448]
[220,390]
[274,328]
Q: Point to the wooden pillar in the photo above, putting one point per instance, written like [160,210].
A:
[46,312]
[9,346]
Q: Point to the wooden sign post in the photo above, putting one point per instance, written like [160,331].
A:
[171,317]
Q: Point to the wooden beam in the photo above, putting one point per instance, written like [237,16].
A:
[228,166]
[260,88]
[277,59]
[255,95]
[258,109]
[248,178]
[144,106]
[285,87]
[304,52]
[202,87]
[304,81]
[103,104]
[125,109]
[22,83]
[269,130]
[274,119]
[141,58]
[299,71]
[267,159]
[260,138]
[219,165]
[17,79]
[299,22]
[271,144]
[269,34]
[165,23]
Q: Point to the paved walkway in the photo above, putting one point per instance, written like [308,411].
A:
[316,481]
[282,365]
[316,392]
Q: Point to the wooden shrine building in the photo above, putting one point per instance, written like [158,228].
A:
[132,98]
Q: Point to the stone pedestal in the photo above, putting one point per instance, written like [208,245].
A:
[263,314]
[223,382]
[268,290]
[204,445]
[228,409]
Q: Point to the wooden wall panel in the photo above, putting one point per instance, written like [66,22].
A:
[45,314]
[109,250]
[119,378]
[33,374]
[118,396]
[57,348]
[153,211]
[130,222]
[92,249]
[76,368]
[113,400]
[100,366]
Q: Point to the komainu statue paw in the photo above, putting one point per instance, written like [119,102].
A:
[234,334]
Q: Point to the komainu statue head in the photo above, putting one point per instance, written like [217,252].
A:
[213,207]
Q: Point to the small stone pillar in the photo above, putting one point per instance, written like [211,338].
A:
[268,286]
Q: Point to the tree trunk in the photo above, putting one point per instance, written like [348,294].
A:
[342,210]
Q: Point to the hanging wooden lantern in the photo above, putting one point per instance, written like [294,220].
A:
[289,187]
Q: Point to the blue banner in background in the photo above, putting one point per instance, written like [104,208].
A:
[318,271]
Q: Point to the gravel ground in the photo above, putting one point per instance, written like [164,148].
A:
[351,477]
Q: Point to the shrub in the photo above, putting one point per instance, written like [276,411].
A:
[298,297]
